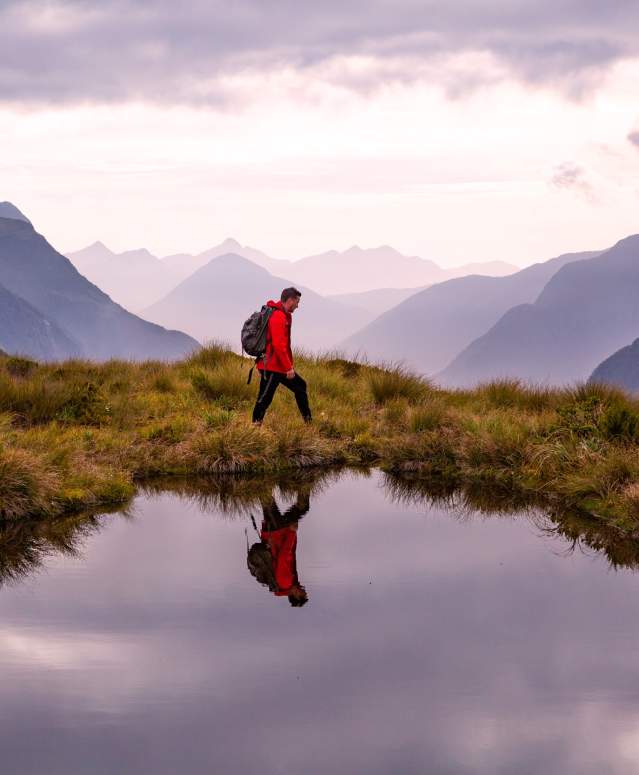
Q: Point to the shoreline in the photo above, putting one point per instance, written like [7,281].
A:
[79,434]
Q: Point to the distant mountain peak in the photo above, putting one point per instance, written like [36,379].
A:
[139,253]
[235,261]
[9,210]
[231,244]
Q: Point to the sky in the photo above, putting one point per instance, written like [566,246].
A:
[465,131]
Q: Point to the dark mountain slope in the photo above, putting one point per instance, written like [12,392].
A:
[31,269]
[431,327]
[8,210]
[621,368]
[25,331]
[587,310]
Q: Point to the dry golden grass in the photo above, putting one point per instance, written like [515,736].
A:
[80,433]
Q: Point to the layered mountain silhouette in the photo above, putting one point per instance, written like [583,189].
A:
[587,310]
[215,301]
[134,279]
[357,270]
[621,368]
[25,331]
[137,278]
[427,330]
[182,265]
[83,320]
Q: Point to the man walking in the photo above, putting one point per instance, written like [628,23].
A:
[276,368]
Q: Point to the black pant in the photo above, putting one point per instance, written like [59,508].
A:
[269,380]
[273,519]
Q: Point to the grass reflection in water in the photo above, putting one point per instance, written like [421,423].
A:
[25,545]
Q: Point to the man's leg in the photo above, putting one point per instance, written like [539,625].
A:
[269,380]
[298,386]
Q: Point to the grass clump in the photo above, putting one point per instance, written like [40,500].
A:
[395,382]
[513,393]
[26,485]
[347,369]
[224,385]
[619,420]
[20,367]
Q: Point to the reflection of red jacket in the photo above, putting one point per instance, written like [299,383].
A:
[279,356]
[283,545]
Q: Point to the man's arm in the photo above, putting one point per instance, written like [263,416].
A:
[279,340]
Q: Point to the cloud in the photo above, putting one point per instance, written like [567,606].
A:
[633,137]
[123,50]
[572,177]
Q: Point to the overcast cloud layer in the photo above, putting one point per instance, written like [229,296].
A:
[120,50]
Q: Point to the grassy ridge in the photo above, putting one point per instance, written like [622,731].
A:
[80,434]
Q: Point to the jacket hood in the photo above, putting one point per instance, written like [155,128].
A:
[277,305]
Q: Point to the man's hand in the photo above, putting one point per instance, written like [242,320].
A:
[290,374]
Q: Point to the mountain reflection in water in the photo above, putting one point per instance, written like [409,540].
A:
[445,632]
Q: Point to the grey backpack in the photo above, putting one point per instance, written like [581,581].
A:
[254,332]
[260,563]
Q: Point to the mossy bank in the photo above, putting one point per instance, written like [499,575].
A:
[78,434]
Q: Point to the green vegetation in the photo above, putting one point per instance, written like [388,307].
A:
[81,434]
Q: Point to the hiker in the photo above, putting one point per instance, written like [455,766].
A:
[273,560]
[276,366]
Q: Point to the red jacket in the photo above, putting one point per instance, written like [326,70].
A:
[283,545]
[279,356]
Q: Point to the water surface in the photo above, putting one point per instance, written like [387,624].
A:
[432,642]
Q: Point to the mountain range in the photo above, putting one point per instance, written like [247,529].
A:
[586,311]
[553,322]
[136,278]
[214,302]
[61,312]
[427,330]
[357,270]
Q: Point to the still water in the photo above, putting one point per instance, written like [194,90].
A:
[434,639]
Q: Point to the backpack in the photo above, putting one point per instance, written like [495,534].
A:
[260,563]
[254,332]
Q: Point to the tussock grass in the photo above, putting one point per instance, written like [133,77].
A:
[81,433]
[396,382]
[512,393]
[26,485]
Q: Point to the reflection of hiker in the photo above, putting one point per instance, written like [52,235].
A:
[276,367]
[272,561]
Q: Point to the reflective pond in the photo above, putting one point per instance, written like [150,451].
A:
[395,632]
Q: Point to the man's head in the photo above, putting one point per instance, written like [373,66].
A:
[290,299]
